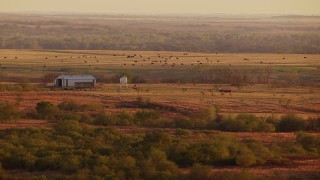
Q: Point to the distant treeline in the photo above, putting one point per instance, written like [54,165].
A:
[205,35]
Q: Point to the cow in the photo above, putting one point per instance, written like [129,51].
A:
[225,90]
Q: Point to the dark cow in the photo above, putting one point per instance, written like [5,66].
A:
[225,90]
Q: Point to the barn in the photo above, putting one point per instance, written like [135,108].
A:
[75,81]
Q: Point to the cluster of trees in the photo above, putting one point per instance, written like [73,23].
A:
[79,151]
[157,41]
[206,119]
[156,35]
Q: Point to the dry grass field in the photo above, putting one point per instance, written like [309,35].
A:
[260,99]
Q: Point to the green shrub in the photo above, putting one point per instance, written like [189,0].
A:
[69,106]
[203,118]
[184,123]
[106,119]
[86,118]
[313,124]
[246,123]
[273,120]
[290,123]
[262,153]
[64,127]
[47,110]
[126,118]
[69,163]
[157,166]
[8,112]
[246,158]
[146,118]
[309,143]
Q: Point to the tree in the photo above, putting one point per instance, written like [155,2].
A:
[158,167]
[291,122]
[8,112]
[47,110]
[246,157]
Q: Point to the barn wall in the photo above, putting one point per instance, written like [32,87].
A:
[71,82]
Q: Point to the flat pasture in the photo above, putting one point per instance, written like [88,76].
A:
[260,99]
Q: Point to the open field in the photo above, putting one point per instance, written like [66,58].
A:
[292,85]
[259,100]
[34,63]
[173,84]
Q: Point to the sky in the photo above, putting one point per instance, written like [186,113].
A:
[299,7]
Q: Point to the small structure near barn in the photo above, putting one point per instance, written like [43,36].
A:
[75,82]
[123,81]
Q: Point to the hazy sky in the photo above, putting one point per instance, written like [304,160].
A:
[307,7]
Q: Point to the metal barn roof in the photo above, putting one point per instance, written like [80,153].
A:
[84,77]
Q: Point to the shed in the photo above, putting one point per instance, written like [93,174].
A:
[75,81]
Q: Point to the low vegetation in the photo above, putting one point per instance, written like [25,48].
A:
[206,119]
[72,150]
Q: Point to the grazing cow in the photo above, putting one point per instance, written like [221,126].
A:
[225,90]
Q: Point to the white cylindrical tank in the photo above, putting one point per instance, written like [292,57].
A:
[124,80]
